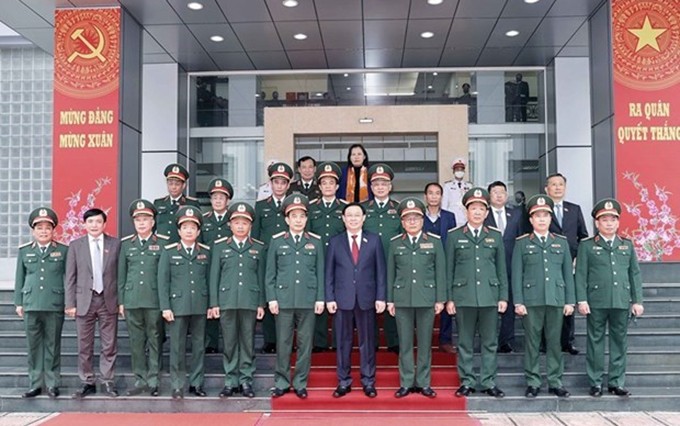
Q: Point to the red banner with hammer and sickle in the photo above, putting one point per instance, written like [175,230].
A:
[86,104]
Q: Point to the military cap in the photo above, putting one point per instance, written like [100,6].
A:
[411,205]
[280,170]
[606,206]
[328,168]
[380,171]
[221,185]
[476,195]
[293,202]
[176,171]
[458,162]
[43,214]
[540,202]
[142,206]
[189,214]
[241,209]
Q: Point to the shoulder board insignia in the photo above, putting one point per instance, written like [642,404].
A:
[560,236]
[207,214]
[623,237]
[171,246]
[342,201]
[279,235]
[221,240]
[160,200]
[204,246]
[456,228]
[314,235]
[448,181]
[434,235]
[128,237]
[59,243]
[257,241]
[315,201]
[26,244]
[191,198]
[587,238]
[396,237]
[162,237]
[522,236]
[492,228]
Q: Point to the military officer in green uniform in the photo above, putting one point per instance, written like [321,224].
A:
[608,288]
[294,288]
[478,291]
[270,220]
[325,220]
[237,289]
[138,296]
[382,218]
[183,294]
[39,300]
[416,292]
[306,185]
[176,176]
[543,289]
[216,226]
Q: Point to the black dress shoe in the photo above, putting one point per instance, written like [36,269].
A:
[109,389]
[370,391]
[301,393]
[341,391]
[570,349]
[402,392]
[153,391]
[32,393]
[85,391]
[247,391]
[504,349]
[269,348]
[393,349]
[319,349]
[197,391]
[428,392]
[177,394]
[415,389]
[464,391]
[532,392]
[618,391]
[595,391]
[226,392]
[278,393]
[494,391]
[136,391]
[560,392]
[53,392]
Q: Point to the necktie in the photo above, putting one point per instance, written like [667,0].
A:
[43,250]
[174,202]
[306,186]
[143,242]
[355,250]
[413,240]
[297,239]
[558,213]
[218,217]
[240,245]
[328,205]
[97,278]
[610,242]
[190,250]
[542,240]
[476,232]
[500,221]
[381,205]
[459,185]
[278,203]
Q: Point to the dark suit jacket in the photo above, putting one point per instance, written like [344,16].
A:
[447,220]
[347,283]
[79,280]
[573,226]
[514,227]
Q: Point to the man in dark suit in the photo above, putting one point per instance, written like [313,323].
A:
[567,220]
[355,292]
[509,222]
[438,221]
[92,296]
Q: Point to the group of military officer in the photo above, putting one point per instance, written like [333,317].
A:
[236,264]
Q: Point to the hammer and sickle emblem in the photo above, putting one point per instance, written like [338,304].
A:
[95,52]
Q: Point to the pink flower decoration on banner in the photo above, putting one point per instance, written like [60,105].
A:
[72,227]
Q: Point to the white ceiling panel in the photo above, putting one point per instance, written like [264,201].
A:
[330,10]
[575,7]
[158,58]
[521,9]
[577,51]
[582,36]
[196,61]
[45,8]
[245,10]
[555,31]
[384,34]
[203,32]
[536,56]
[312,59]
[17,15]
[258,36]
[383,58]
[479,8]
[469,33]
[210,14]
[462,57]
[345,58]
[42,37]
[342,34]
[420,9]
[287,30]
[525,27]
[176,39]
[304,11]
[440,28]
[270,60]
[150,45]
[414,58]
[498,56]
[386,9]
[151,12]
[232,60]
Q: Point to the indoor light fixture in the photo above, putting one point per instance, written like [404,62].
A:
[290,3]
[427,34]
[217,38]
[300,36]
[435,2]
[194,5]
[512,33]
[366,120]
[531,1]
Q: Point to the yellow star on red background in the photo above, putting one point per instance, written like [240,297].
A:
[647,36]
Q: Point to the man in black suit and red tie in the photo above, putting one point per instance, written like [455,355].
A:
[509,221]
[567,220]
[355,292]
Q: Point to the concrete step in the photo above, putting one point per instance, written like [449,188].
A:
[660,290]
[639,376]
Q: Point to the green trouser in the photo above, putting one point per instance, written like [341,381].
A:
[268,328]
[469,321]
[321,331]
[144,327]
[423,320]
[390,330]
[212,334]
[178,349]
[596,324]
[540,319]
[43,336]
[286,322]
[238,340]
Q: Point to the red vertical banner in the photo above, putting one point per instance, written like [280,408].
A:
[86,104]
[646,60]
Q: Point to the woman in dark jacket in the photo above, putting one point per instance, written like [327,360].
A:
[354,185]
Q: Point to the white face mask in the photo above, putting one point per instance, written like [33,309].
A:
[459,174]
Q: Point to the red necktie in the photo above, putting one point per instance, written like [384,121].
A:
[355,250]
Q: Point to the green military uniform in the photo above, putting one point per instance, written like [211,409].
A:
[269,220]
[310,192]
[542,281]
[166,207]
[416,280]
[237,287]
[39,290]
[608,279]
[295,279]
[138,293]
[477,280]
[215,226]
[325,220]
[384,221]
[183,289]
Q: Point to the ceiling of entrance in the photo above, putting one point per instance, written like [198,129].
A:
[260,34]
